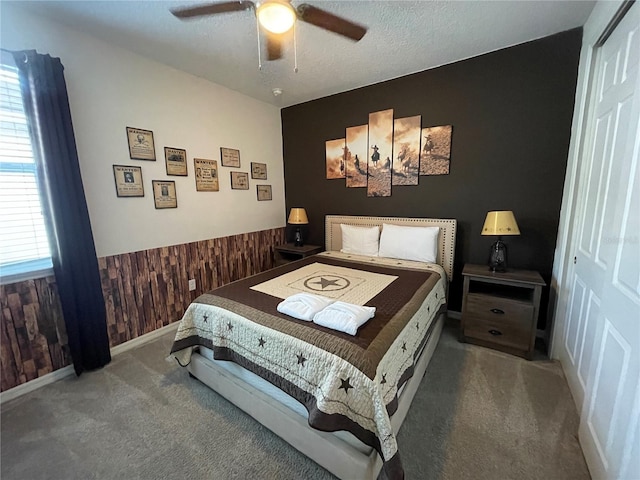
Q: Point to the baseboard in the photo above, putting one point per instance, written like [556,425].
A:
[36,383]
[64,372]
[453,314]
[142,339]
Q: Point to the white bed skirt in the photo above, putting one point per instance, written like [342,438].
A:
[340,452]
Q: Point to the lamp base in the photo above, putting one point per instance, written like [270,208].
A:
[298,238]
[498,256]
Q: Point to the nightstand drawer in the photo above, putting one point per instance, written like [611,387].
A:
[497,319]
[500,309]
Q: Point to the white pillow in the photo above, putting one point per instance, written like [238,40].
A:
[409,243]
[360,240]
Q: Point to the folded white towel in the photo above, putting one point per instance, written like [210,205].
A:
[344,317]
[303,306]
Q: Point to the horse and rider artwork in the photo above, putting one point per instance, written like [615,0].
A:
[380,153]
[389,152]
[435,158]
[406,150]
[356,151]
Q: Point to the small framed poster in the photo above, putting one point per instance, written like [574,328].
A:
[240,180]
[176,159]
[264,192]
[164,194]
[230,157]
[206,175]
[258,171]
[141,146]
[128,181]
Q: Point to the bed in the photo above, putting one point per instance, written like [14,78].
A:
[289,374]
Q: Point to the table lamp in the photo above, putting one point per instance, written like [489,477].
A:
[298,216]
[499,223]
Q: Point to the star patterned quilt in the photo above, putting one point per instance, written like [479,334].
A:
[345,382]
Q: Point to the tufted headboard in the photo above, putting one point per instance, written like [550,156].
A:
[446,237]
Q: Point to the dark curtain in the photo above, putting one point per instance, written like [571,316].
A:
[73,253]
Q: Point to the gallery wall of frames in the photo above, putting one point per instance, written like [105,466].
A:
[129,183]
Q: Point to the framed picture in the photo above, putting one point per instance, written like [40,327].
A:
[164,194]
[230,157]
[240,180]
[259,171]
[264,192]
[206,175]
[128,181]
[141,146]
[176,159]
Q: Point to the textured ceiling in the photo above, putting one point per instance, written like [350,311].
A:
[404,37]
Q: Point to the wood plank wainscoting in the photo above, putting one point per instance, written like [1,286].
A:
[143,291]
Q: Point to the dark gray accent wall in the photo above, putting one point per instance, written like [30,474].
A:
[511,112]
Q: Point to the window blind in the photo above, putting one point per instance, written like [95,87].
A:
[23,239]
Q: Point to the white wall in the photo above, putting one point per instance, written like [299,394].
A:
[111,88]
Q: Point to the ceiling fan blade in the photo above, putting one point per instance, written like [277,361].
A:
[212,9]
[274,47]
[329,21]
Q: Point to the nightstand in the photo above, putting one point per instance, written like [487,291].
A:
[500,310]
[289,252]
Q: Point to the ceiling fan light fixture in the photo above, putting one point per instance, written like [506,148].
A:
[276,16]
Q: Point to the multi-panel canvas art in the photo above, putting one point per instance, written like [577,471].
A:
[356,156]
[389,152]
[380,152]
[335,158]
[406,150]
[435,156]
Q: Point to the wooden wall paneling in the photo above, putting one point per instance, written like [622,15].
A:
[10,355]
[144,286]
[214,278]
[142,291]
[159,287]
[31,333]
[117,285]
[134,305]
[223,272]
[185,266]
[193,268]
[54,330]
[129,313]
[203,267]
[28,367]
[8,360]
[103,267]
[164,279]
[155,268]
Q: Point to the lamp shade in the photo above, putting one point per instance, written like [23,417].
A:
[500,223]
[298,216]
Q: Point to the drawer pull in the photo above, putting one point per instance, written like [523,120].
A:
[497,311]
[495,332]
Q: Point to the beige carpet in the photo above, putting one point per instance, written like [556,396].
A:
[478,415]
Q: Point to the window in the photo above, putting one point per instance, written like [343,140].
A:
[24,248]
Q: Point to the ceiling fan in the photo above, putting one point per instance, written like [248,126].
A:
[278,17]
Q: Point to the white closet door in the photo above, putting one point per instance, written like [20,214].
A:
[600,342]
